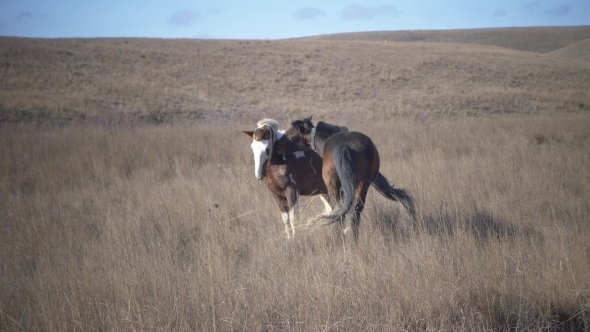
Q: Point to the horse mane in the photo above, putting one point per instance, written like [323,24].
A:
[274,124]
[329,129]
[300,142]
[283,147]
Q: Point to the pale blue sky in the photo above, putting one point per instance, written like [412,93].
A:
[266,19]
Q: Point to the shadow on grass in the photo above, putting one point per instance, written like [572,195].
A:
[480,223]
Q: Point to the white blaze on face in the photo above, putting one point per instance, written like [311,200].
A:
[260,150]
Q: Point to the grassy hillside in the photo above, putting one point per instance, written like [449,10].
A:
[210,80]
[579,50]
[533,39]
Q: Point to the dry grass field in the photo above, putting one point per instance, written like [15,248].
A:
[128,200]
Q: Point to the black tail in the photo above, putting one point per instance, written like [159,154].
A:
[394,194]
[346,172]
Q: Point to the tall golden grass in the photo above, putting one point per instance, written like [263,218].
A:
[151,228]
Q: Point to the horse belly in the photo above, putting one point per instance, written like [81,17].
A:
[308,177]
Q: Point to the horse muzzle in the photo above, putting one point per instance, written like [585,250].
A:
[260,175]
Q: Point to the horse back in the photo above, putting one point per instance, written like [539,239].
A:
[361,144]
[364,153]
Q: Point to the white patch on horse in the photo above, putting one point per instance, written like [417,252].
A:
[291,176]
[292,217]
[326,205]
[284,157]
[299,154]
[288,224]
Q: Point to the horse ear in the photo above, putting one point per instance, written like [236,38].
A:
[307,123]
[308,119]
[298,126]
[249,133]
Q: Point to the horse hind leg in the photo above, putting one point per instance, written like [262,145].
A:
[352,219]
[327,205]
[327,212]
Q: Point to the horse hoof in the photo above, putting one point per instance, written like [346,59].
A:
[347,231]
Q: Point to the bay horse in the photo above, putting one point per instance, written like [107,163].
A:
[350,166]
[289,169]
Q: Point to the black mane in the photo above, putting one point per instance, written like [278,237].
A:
[284,147]
[298,141]
[326,130]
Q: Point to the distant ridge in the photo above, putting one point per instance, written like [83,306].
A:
[579,50]
[533,39]
[98,80]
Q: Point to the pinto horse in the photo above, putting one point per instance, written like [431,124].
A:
[288,168]
[350,166]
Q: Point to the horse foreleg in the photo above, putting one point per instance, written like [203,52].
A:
[293,205]
[284,208]
[288,228]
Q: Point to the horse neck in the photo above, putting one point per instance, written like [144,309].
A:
[320,141]
[283,146]
[275,137]
[323,131]
[329,129]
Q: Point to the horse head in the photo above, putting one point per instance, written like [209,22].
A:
[301,127]
[263,139]
[305,134]
[300,132]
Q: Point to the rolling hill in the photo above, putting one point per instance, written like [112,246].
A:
[579,50]
[533,39]
[443,73]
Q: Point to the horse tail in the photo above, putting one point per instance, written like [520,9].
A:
[399,195]
[346,172]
